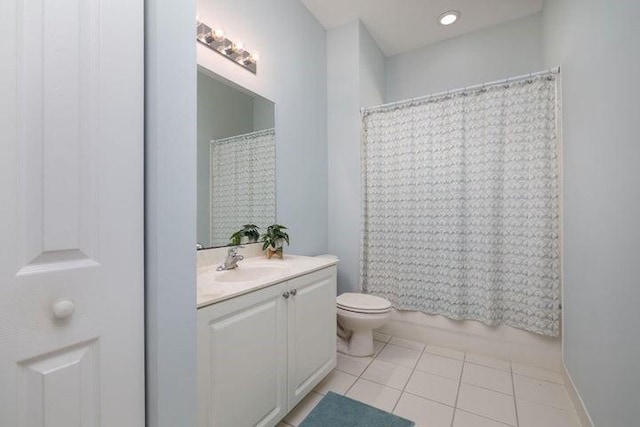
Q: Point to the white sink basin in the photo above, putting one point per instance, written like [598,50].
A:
[249,274]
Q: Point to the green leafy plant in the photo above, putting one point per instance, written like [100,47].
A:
[250,231]
[275,237]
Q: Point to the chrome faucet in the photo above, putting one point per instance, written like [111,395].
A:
[231,261]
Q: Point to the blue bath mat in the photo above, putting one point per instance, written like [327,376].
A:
[335,410]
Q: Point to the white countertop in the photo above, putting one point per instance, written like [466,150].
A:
[215,286]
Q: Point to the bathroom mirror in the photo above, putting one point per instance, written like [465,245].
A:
[236,160]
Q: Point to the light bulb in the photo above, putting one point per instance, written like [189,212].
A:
[238,47]
[218,34]
[251,58]
[449,17]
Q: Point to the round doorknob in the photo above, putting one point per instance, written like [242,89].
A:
[294,291]
[63,308]
[286,294]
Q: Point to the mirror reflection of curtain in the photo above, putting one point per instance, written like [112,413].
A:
[243,181]
[461,205]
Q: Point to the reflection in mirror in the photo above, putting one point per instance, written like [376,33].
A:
[236,160]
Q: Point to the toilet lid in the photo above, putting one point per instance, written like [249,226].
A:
[363,303]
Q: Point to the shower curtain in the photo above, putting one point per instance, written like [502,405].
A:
[243,183]
[461,205]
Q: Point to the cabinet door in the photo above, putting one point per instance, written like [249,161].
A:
[242,360]
[311,332]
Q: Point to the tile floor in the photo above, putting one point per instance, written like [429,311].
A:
[440,387]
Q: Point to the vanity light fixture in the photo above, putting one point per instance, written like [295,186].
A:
[449,17]
[216,40]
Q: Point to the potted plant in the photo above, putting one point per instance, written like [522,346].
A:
[250,231]
[274,239]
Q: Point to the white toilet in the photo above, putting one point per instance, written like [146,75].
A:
[359,315]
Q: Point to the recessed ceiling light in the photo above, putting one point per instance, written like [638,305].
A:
[449,17]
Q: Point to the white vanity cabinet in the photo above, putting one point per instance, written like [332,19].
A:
[260,353]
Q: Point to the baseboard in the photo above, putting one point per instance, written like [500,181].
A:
[576,399]
[502,342]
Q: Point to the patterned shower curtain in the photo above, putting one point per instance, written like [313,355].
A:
[243,183]
[461,205]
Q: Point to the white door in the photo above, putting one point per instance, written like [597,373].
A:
[71,213]
[312,332]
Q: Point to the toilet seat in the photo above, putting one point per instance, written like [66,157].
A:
[363,303]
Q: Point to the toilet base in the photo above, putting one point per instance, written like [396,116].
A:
[360,344]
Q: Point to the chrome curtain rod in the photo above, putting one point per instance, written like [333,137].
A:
[427,98]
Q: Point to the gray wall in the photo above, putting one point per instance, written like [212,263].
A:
[263,114]
[170,213]
[291,73]
[372,71]
[501,51]
[343,141]
[355,78]
[596,44]
[223,111]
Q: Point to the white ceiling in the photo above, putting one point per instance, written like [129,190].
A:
[402,25]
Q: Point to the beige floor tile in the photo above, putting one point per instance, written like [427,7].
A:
[425,413]
[544,392]
[531,414]
[388,374]
[414,345]
[378,336]
[401,356]
[486,377]
[467,419]
[491,362]
[337,382]
[446,352]
[434,387]
[377,346]
[439,365]
[488,403]
[302,409]
[352,365]
[484,396]
[537,373]
[374,394]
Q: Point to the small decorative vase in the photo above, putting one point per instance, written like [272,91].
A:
[278,251]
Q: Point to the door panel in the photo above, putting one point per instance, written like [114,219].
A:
[71,218]
[61,388]
[312,332]
[57,95]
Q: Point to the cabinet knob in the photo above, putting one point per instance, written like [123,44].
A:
[294,291]
[286,295]
[63,308]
